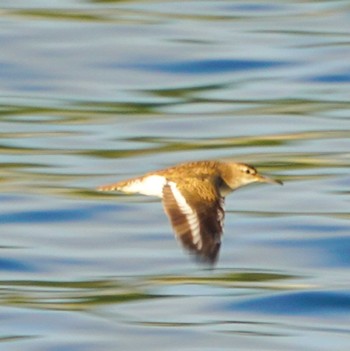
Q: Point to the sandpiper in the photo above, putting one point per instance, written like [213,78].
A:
[193,197]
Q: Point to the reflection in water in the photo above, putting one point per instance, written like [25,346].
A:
[87,295]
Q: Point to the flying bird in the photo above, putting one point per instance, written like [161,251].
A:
[193,196]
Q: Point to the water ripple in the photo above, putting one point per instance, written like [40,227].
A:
[209,66]
[82,213]
[322,303]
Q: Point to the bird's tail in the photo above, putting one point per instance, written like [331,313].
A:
[112,187]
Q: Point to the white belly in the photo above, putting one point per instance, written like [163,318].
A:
[151,185]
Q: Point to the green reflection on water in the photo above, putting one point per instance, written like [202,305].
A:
[226,278]
[61,119]
[85,295]
[67,295]
[60,15]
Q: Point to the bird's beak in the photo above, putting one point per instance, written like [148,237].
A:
[265,179]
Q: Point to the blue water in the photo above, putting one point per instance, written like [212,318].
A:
[93,92]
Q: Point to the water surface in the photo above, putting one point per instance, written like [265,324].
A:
[97,91]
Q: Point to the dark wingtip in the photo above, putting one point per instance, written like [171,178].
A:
[208,258]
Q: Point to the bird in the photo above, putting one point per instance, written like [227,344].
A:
[193,196]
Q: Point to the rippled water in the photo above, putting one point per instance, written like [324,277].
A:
[97,91]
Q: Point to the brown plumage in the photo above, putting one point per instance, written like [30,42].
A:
[193,198]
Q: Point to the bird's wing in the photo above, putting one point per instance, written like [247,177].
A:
[197,215]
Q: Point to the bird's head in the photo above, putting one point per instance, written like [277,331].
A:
[237,175]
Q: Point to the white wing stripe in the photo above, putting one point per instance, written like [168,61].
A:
[191,215]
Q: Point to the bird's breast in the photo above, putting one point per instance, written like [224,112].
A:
[224,189]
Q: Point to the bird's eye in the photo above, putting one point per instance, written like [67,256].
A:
[249,171]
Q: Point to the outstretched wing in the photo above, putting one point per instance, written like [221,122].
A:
[196,213]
